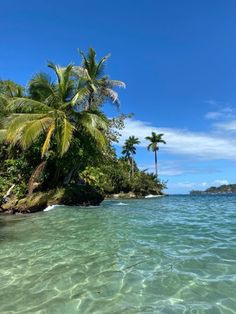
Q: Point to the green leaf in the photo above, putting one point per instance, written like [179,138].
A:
[32,130]
[26,105]
[16,123]
[47,141]
[94,125]
[3,133]
[65,136]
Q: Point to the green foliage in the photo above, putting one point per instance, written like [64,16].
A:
[93,176]
[114,178]
[14,171]
[145,183]
[223,189]
[53,133]
[154,140]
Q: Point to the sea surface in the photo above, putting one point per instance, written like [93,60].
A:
[175,254]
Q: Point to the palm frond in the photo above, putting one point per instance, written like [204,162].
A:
[15,124]
[94,125]
[47,141]
[32,130]
[85,61]
[110,93]
[65,136]
[3,133]
[92,62]
[63,74]
[116,83]
[40,87]
[26,105]
[100,65]
[4,111]
[3,101]
[79,96]
[10,89]
[80,72]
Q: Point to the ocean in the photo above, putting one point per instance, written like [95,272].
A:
[174,254]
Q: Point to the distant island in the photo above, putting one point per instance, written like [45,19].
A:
[223,189]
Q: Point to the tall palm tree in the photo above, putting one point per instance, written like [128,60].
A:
[129,150]
[100,88]
[155,139]
[50,111]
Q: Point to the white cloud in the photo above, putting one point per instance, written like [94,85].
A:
[191,185]
[220,105]
[184,142]
[227,126]
[213,115]
[220,182]
[187,186]
[164,169]
[223,111]
[213,102]
[170,171]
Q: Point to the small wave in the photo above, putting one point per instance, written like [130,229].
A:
[152,196]
[120,204]
[50,207]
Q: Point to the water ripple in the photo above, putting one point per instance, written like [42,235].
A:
[168,255]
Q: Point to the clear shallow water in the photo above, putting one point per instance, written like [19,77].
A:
[169,255]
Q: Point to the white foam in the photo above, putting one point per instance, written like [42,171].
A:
[50,207]
[120,204]
[152,196]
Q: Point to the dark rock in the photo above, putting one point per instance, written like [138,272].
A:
[81,195]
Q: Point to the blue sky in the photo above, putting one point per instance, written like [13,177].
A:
[178,59]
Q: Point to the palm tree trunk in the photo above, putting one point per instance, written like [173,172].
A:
[132,165]
[156,163]
[35,177]
[129,163]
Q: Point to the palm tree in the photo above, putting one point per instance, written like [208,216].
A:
[99,87]
[129,150]
[50,111]
[155,139]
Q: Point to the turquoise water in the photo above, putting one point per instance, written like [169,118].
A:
[174,254]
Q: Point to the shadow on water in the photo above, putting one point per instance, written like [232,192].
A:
[7,227]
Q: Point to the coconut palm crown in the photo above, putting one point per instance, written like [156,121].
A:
[154,140]
[99,87]
[51,110]
[129,150]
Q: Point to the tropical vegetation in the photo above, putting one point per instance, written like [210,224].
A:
[222,189]
[154,140]
[129,150]
[54,134]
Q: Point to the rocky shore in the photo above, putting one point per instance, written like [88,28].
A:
[129,195]
[83,195]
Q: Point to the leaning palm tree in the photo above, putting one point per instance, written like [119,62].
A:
[129,150]
[49,111]
[155,139]
[100,88]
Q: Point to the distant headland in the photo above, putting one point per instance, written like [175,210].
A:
[223,189]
